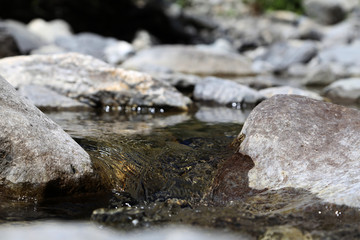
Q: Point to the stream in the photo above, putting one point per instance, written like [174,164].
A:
[161,168]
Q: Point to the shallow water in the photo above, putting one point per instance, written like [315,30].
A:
[161,168]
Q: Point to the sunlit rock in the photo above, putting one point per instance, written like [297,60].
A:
[91,81]
[37,158]
[306,144]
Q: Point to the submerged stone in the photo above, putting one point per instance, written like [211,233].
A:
[37,158]
[90,80]
[306,144]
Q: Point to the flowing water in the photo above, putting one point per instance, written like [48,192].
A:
[161,169]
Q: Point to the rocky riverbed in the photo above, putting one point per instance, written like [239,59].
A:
[249,130]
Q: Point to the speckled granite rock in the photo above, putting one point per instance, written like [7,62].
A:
[303,143]
[37,158]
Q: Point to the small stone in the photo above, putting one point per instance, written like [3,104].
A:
[282,55]
[344,90]
[225,92]
[319,75]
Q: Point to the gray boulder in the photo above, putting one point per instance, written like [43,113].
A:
[326,11]
[319,75]
[344,90]
[191,60]
[91,80]
[37,158]
[297,142]
[86,43]
[25,40]
[282,55]
[225,92]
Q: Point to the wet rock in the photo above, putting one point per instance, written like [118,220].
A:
[86,43]
[91,80]
[49,31]
[319,75]
[344,90]
[325,11]
[307,144]
[221,115]
[282,55]
[225,92]
[8,45]
[89,231]
[37,158]
[191,60]
[47,99]
[25,40]
[286,90]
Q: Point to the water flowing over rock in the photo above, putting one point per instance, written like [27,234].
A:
[37,158]
[91,80]
[306,144]
[190,59]
[225,92]
[344,90]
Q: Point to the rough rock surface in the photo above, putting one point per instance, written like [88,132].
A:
[37,157]
[269,92]
[225,92]
[344,90]
[80,76]
[307,144]
[190,59]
